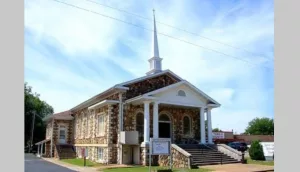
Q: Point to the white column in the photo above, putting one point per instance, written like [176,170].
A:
[38,150]
[202,126]
[209,127]
[146,122]
[155,120]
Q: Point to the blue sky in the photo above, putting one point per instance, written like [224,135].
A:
[71,55]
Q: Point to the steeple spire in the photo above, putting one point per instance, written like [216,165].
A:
[155,60]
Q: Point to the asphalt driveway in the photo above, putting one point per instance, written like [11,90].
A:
[35,164]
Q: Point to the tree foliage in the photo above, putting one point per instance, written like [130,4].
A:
[216,130]
[256,151]
[260,126]
[33,104]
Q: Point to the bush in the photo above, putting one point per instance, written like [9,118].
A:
[256,151]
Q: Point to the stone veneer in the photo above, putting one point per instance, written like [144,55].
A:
[80,137]
[90,138]
[175,113]
[180,158]
[69,136]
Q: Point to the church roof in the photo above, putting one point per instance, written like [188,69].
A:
[122,87]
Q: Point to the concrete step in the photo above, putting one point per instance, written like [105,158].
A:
[213,163]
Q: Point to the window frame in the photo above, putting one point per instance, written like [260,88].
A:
[99,132]
[98,154]
[189,127]
[140,134]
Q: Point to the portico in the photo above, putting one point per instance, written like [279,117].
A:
[180,95]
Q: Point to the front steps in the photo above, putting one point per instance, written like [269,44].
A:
[207,155]
[65,151]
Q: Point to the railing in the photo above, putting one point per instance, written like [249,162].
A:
[221,154]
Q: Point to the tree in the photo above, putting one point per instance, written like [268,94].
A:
[256,151]
[216,130]
[260,126]
[33,104]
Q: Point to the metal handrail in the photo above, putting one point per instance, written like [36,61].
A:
[221,154]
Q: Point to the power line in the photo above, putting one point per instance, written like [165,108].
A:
[183,30]
[216,51]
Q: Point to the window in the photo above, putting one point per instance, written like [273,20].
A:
[87,126]
[62,132]
[140,125]
[87,152]
[186,125]
[101,126]
[100,153]
[181,93]
[82,126]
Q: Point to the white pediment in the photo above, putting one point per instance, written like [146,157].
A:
[182,93]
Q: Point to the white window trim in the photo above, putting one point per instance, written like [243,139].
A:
[102,114]
[98,159]
[190,122]
[87,126]
[82,126]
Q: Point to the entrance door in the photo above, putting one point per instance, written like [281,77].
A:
[164,126]
[62,134]
[164,130]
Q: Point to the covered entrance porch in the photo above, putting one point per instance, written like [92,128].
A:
[177,111]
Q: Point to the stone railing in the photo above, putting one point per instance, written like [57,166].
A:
[230,151]
[180,158]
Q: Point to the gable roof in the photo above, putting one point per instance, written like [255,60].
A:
[61,115]
[168,72]
[184,82]
[122,87]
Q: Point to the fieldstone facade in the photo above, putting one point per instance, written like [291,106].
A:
[180,158]
[83,130]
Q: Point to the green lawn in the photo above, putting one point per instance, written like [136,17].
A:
[250,161]
[79,162]
[146,169]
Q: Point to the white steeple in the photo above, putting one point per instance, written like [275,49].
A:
[155,60]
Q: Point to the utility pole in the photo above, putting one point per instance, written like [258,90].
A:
[32,130]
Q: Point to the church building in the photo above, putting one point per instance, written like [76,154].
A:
[115,126]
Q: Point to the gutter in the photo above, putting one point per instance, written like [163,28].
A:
[112,89]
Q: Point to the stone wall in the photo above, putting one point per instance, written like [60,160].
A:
[93,153]
[110,136]
[230,151]
[180,158]
[148,85]
[69,134]
[48,129]
[176,114]
[88,135]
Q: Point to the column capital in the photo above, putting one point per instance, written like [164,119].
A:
[147,101]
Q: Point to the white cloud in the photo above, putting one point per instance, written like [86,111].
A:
[237,86]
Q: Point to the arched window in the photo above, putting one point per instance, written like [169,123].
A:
[186,125]
[164,117]
[140,125]
[181,93]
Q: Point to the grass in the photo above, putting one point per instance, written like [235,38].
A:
[146,169]
[79,162]
[250,161]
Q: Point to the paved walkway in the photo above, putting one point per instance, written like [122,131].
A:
[71,166]
[240,168]
[83,169]
[35,164]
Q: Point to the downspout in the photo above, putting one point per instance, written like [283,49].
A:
[51,147]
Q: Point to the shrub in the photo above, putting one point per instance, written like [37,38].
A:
[256,151]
